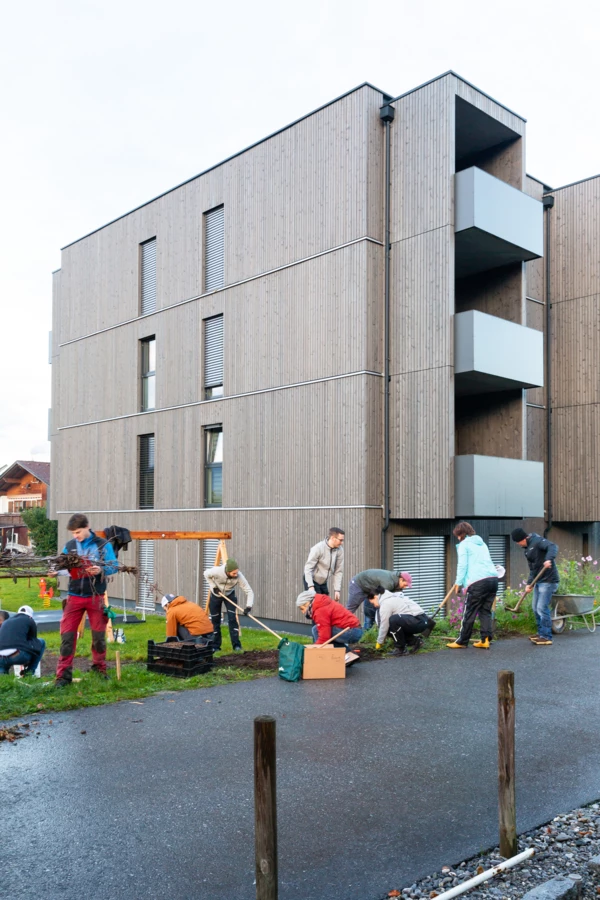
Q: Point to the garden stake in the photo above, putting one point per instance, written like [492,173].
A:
[516,608]
[118,663]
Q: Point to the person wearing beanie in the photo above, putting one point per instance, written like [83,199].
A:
[223,581]
[540,554]
[478,574]
[368,584]
[186,621]
[329,619]
[400,618]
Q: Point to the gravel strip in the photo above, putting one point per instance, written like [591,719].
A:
[562,847]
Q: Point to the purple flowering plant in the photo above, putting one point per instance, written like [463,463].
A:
[579,577]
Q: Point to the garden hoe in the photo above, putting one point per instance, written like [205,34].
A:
[516,608]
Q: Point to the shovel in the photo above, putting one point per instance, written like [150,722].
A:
[431,626]
[516,608]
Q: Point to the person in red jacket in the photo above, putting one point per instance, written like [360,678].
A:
[329,619]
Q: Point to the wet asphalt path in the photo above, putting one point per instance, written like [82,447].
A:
[382,778]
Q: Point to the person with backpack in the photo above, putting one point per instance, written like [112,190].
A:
[326,558]
[87,585]
[19,643]
[477,573]
[540,554]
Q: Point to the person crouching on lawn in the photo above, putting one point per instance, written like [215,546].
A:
[401,618]
[329,618]
[186,621]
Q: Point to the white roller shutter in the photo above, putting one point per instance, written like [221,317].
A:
[214,249]
[497,545]
[210,551]
[213,352]
[148,273]
[145,599]
[425,559]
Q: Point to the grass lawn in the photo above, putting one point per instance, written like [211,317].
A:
[31,695]
[19,697]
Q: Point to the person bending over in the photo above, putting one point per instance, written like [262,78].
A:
[19,643]
[329,618]
[186,621]
[402,619]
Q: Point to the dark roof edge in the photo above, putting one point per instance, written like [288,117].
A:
[56,271]
[25,464]
[572,184]
[358,87]
[539,181]
[464,80]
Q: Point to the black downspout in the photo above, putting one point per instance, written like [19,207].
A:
[386,114]
[548,203]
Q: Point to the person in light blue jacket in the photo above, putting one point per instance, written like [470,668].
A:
[477,573]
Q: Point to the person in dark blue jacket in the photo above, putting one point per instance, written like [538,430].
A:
[19,643]
[540,554]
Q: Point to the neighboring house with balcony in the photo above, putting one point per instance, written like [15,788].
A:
[347,323]
[23,485]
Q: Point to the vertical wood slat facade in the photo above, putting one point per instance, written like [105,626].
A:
[301,303]
[575,348]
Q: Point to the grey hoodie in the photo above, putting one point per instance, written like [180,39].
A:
[394,604]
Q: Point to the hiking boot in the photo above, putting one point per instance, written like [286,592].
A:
[62,683]
[101,673]
[456,646]
[238,649]
[542,642]
[416,645]
[399,651]
[534,637]
[482,645]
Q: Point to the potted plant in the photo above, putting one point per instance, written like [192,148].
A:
[578,590]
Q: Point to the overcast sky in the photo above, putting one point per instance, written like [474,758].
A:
[106,104]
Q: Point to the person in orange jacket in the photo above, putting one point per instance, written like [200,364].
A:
[186,621]
[329,619]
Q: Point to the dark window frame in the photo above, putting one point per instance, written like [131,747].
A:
[146,470]
[147,374]
[210,468]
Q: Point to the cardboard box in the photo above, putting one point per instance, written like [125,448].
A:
[324,662]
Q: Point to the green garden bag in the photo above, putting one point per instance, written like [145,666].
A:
[291,658]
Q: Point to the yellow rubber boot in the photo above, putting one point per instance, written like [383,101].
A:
[456,646]
[482,645]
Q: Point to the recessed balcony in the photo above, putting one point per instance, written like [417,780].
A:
[495,224]
[492,486]
[492,354]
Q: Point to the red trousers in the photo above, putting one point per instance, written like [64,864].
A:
[71,617]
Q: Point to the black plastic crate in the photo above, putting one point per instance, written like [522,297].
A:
[179,659]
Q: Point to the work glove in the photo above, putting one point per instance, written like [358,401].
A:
[247,610]
[378,646]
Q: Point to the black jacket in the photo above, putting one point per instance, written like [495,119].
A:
[538,550]
[20,632]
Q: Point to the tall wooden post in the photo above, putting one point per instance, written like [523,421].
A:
[265,808]
[507,811]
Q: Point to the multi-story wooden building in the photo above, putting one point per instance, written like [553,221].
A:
[344,324]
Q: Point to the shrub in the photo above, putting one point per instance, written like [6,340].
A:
[42,530]
[579,577]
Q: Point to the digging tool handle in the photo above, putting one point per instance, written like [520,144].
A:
[524,594]
[258,622]
[444,601]
[335,637]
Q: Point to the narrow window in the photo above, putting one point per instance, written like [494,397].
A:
[213,357]
[214,249]
[148,373]
[148,277]
[145,580]
[213,466]
[146,467]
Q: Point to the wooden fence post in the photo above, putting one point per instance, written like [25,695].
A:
[507,811]
[265,808]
